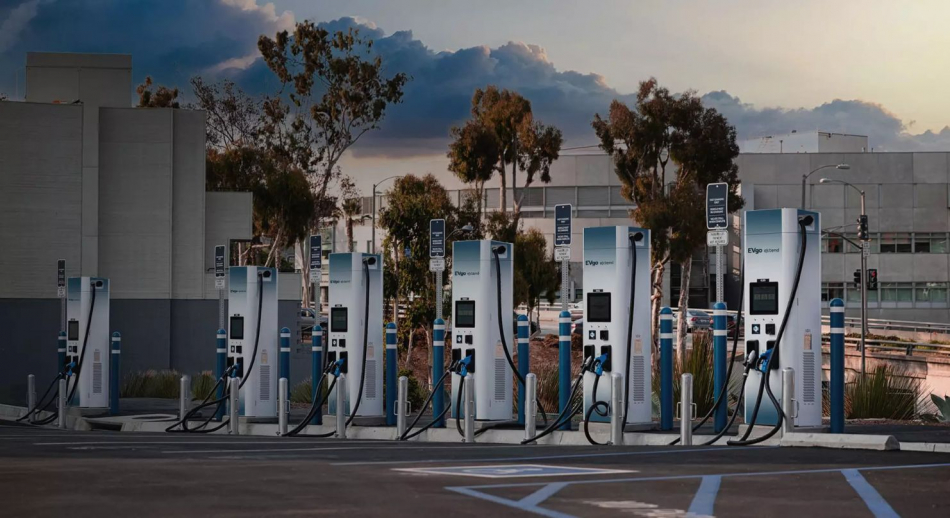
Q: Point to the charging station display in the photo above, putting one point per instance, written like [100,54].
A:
[253,336]
[611,286]
[88,339]
[475,323]
[356,314]
[773,243]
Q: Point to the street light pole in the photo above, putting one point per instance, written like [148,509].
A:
[813,171]
[865,248]
[375,185]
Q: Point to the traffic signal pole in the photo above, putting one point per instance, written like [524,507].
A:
[865,248]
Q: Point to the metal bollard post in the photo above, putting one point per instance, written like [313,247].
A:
[392,372]
[469,408]
[61,404]
[666,369]
[531,406]
[61,350]
[341,406]
[282,405]
[402,404]
[114,373]
[184,396]
[221,360]
[30,397]
[720,383]
[524,331]
[316,369]
[616,409]
[235,394]
[836,366]
[686,409]
[283,359]
[788,400]
[438,370]
[564,365]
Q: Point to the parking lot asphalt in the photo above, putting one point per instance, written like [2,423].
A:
[46,472]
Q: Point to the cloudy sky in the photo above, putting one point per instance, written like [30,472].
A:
[871,67]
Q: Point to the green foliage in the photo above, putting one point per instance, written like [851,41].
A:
[536,273]
[302,392]
[943,407]
[162,97]
[697,361]
[417,391]
[201,384]
[884,393]
[548,388]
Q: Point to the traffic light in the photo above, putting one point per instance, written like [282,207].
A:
[863,228]
[872,279]
[857,277]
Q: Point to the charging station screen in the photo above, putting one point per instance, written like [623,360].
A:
[237,328]
[598,307]
[72,330]
[465,313]
[764,298]
[338,321]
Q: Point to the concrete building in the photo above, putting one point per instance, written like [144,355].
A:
[806,142]
[117,192]
[907,205]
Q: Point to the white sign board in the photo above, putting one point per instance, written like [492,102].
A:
[866,248]
[717,238]
[437,264]
[562,253]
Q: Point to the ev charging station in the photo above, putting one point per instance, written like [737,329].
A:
[773,242]
[87,339]
[252,337]
[475,323]
[616,277]
[356,315]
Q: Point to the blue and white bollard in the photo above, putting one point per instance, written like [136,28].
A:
[836,365]
[438,369]
[524,364]
[564,365]
[316,369]
[221,361]
[720,332]
[666,369]
[61,350]
[284,358]
[392,374]
[114,375]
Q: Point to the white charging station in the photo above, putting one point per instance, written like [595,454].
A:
[355,313]
[475,320]
[87,339]
[609,256]
[252,308]
[772,247]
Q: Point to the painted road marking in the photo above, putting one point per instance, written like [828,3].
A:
[515,471]
[705,497]
[875,502]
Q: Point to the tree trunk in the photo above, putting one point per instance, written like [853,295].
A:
[304,275]
[516,201]
[656,303]
[349,233]
[685,270]
[504,188]
[274,249]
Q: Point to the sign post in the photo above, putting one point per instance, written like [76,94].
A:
[61,292]
[220,281]
[563,219]
[717,222]
[316,272]
[437,259]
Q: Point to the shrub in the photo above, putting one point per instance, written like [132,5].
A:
[548,379]
[202,384]
[884,393]
[417,392]
[302,392]
[151,384]
[697,361]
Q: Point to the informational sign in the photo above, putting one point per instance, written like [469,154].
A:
[436,238]
[562,224]
[316,257]
[219,259]
[437,264]
[866,248]
[61,278]
[717,238]
[717,210]
[562,253]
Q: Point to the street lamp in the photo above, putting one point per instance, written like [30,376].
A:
[813,171]
[465,228]
[375,185]
[863,235]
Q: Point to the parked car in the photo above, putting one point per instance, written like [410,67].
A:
[696,319]
[576,309]
[305,322]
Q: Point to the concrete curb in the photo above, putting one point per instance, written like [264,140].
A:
[931,447]
[841,441]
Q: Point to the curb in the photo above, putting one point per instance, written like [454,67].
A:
[841,441]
